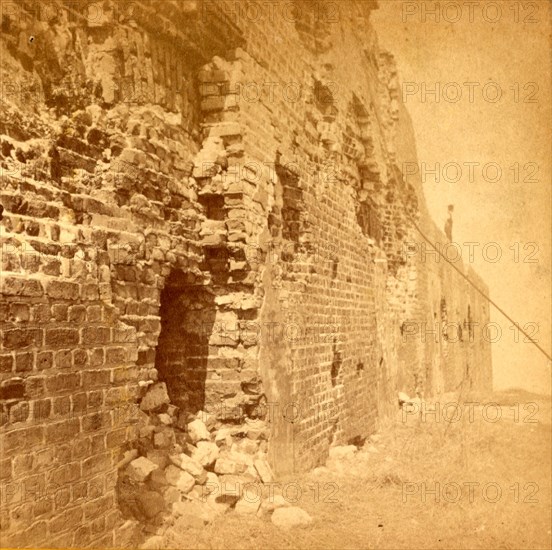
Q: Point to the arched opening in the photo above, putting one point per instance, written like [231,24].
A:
[187,318]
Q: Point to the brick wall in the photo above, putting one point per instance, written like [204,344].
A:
[211,198]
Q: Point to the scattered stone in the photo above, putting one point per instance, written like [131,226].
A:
[155,398]
[157,480]
[248,505]
[128,457]
[206,453]
[372,449]
[172,410]
[140,468]
[165,419]
[150,503]
[179,478]
[163,439]
[146,431]
[223,438]
[197,430]
[251,472]
[264,470]
[288,517]
[230,487]
[220,504]
[257,429]
[208,419]
[272,503]
[153,543]
[212,484]
[193,509]
[172,495]
[198,493]
[176,449]
[246,446]
[158,457]
[188,464]
[228,466]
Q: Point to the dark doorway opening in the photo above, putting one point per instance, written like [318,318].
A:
[187,319]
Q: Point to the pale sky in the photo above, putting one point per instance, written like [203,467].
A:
[513,52]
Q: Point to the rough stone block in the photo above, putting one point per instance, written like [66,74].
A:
[156,398]
[180,479]
[140,469]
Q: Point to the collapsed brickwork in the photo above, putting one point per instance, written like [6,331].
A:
[212,200]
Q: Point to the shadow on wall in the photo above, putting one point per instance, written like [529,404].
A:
[187,319]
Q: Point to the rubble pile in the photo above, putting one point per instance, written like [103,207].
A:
[187,464]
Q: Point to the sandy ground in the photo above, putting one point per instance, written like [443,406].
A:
[483,481]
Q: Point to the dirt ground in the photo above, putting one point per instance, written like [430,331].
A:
[483,481]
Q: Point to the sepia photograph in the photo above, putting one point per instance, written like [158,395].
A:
[276,274]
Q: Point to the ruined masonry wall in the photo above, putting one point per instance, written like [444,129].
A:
[181,175]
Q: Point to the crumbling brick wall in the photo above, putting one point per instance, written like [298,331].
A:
[211,198]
